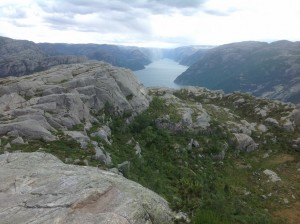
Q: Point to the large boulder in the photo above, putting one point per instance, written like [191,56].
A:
[39,188]
[245,143]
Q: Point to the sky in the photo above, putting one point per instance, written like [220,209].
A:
[150,23]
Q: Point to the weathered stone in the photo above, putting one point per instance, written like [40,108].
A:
[77,161]
[13,133]
[238,102]
[44,190]
[262,128]
[245,143]
[193,144]
[272,175]
[124,167]
[80,137]
[272,121]
[288,125]
[220,155]
[101,155]
[7,146]
[10,101]
[137,149]
[202,120]
[182,217]
[115,170]
[104,133]
[296,117]
[261,112]
[18,140]
[235,127]
[69,160]
[85,162]
[29,128]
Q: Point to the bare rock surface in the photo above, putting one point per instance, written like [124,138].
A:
[39,188]
[38,105]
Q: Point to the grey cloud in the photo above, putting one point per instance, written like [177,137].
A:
[93,6]
[220,13]
[108,16]
[21,24]
[105,22]
[124,18]
[112,16]
[180,3]
[16,13]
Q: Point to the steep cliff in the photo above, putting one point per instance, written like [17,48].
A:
[21,57]
[268,70]
[186,55]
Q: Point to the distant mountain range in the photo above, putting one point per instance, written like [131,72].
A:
[263,69]
[121,56]
[22,57]
[269,70]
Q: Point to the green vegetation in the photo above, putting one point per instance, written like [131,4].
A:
[210,191]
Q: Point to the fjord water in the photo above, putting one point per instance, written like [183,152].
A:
[161,73]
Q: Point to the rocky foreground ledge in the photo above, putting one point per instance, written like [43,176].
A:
[39,188]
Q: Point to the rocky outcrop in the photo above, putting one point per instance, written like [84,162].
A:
[267,70]
[38,105]
[21,57]
[39,188]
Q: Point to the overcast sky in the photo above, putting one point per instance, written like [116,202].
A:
[150,23]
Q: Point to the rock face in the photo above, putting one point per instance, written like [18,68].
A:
[39,188]
[268,70]
[20,57]
[186,55]
[38,105]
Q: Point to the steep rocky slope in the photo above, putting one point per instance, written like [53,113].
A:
[186,55]
[215,157]
[268,70]
[21,57]
[121,56]
[38,188]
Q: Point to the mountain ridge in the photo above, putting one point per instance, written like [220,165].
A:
[263,69]
[22,57]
